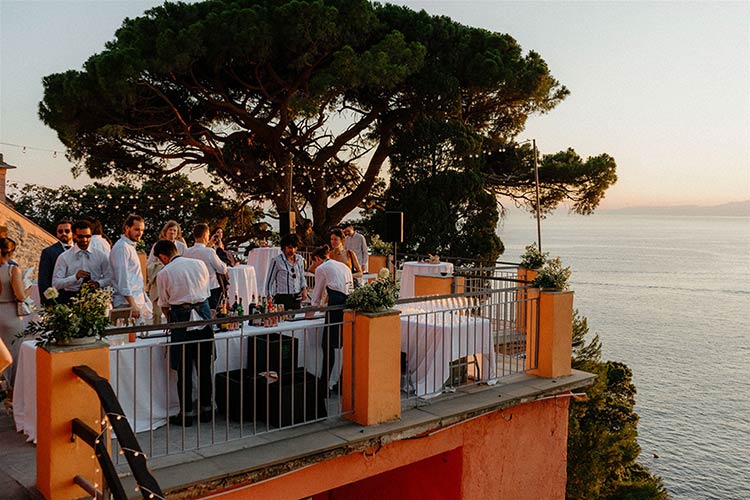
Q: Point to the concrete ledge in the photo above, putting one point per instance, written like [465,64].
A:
[270,455]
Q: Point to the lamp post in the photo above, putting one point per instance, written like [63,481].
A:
[538,209]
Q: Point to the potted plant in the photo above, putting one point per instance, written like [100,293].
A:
[82,321]
[378,296]
[379,252]
[532,258]
[553,276]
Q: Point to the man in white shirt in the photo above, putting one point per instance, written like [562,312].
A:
[126,270]
[80,265]
[334,279]
[183,286]
[214,264]
[356,243]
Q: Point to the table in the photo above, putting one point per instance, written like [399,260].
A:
[243,284]
[260,258]
[149,396]
[411,269]
[433,340]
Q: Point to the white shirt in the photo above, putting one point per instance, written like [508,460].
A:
[183,281]
[208,256]
[73,260]
[127,277]
[99,243]
[334,275]
[357,244]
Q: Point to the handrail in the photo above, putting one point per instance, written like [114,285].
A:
[92,438]
[146,482]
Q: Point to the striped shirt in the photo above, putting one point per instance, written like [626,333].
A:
[285,277]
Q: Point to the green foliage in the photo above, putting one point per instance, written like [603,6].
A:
[157,201]
[380,247]
[87,315]
[532,258]
[553,276]
[258,90]
[602,431]
[380,295]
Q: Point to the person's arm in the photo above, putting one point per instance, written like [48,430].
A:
[217,264]
[271,280]
[5,358]
[320,287]
[17,283]
[162,286]
[60,277]
[301,278]
[105,278]
[365,253]
[357,269]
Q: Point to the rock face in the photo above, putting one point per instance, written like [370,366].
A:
[30,238]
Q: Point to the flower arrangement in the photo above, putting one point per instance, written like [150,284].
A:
[87,315]
[532,258]
[380,295]
[380,247]
[553,276]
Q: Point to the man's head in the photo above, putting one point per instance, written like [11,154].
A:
[164,250]
[200,233]
[289,244]
[320,254]
[82,233]
[65,232]
[134,227]
[349,230]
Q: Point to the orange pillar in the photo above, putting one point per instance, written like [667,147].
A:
[376,346]
[61,397]
[375,263]
[555,334]
[523,307]
[432,285]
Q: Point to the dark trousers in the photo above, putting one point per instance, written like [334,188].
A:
[332,333]
[199,354]
[290,301]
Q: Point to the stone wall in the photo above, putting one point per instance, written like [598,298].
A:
[29,237]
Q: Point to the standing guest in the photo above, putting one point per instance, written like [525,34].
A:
[215,266]
[339,253]
[356,243]
[170,231]
[49,257]
[11,291]
[5,358]
[81,265]
[218,244]
[286,278]
[126,270]
[334,279]
[98,240]
[184,287]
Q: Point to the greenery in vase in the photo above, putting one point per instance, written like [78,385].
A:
[553,276]
[533,258]
[380,295]
[87,315]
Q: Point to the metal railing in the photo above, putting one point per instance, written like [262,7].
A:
[468,338]
[249,379]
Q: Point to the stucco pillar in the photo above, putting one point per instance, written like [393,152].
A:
[61,397]
[374,345]
[523,306]
[555,334]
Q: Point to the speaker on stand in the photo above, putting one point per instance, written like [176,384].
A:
[394,233]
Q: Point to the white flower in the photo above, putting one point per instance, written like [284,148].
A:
[384,273]
[51,293]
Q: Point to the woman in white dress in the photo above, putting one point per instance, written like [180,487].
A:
[11,291]
[170,231]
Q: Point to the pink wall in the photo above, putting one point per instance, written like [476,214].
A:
[519,453]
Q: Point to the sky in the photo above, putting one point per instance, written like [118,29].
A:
[663,87]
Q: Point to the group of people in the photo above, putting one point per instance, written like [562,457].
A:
[184,283]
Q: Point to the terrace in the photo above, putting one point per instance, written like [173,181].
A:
[471,343]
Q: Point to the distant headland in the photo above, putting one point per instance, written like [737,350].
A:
[733,209]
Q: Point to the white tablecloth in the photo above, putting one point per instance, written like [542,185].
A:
[260,258]
[411,269]
[242,283]
[149,398]
[432,340]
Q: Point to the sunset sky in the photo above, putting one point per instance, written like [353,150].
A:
[662,87]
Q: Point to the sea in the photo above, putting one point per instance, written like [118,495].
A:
[670,297]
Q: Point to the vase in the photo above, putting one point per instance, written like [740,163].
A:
[77,341]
